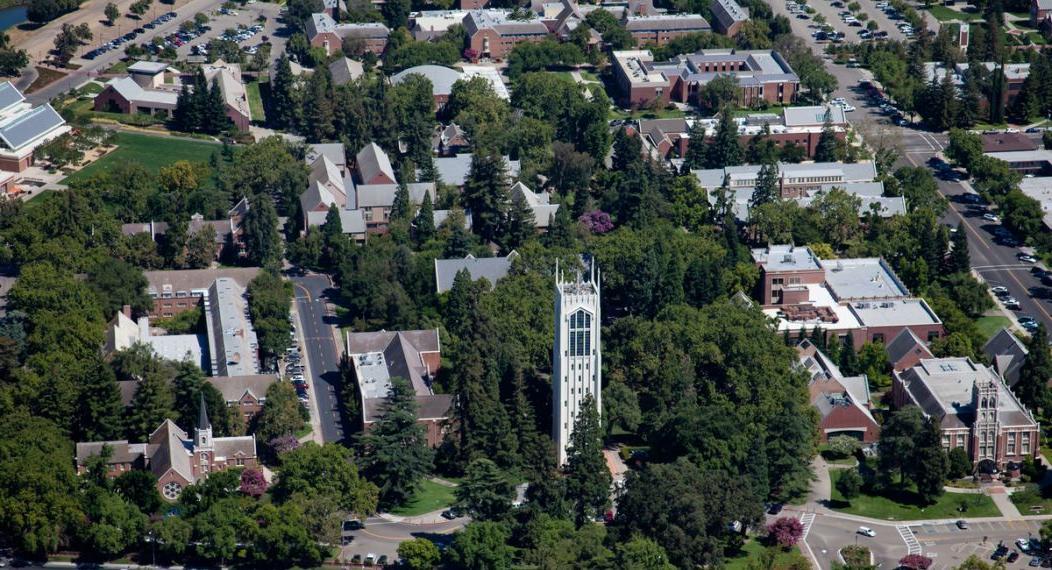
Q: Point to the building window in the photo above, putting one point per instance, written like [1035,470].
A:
[777,281]
[1025,447]
[240,462]
[580,333]
[1011,444]
[171,491]
[945,440]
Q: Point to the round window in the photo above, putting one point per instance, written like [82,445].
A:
[171,490]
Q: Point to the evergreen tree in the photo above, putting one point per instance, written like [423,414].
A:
[724,150]
[996,95]
[947,94]
[424,223]
[762,150]
[826,149]
[587,477]
[188,388]
[213,115]
[971,99]
[561,230]
[486,193]
[262,240]
[485,493]
[282,112]
[520,225]
[459,242]
[1032,386]
[959,259]
[401,207]
[395,454]
[766,190]
[848,357]
[99,407]
[694,158]
[333,226]
[930,464]
[151,405]
[318,114]
[184,118]
[628,151]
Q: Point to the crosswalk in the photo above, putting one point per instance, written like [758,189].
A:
[912,544]
[807,519]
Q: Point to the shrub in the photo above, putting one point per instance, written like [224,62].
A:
[786,531]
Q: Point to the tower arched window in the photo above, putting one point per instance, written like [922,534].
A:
[580,333]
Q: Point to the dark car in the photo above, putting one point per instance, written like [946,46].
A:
[451,513]
[352,524]
[775,509]
[1013,557]
[382,560]
[1035,562]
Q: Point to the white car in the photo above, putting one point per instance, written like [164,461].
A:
[866,531]
[1011,303]
[1027,258]
[999,290]
[991,217]
[847,108]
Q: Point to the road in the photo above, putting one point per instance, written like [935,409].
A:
[316,328]
[382,536]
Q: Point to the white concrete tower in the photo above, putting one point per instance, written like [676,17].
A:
[576,360]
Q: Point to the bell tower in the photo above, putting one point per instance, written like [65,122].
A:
[985,394]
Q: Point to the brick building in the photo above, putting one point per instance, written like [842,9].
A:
[659,29]
[246,394]
[324,32]
[24,128]
[413,355]
[172,456]
[175,291]
[975,408]
[843,403]
[762,75]
[493,33]
[728,17]
[862,297]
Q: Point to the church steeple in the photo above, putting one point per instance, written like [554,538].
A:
[203,431]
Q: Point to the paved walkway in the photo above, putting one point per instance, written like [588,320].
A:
[1003,499]
[434,517]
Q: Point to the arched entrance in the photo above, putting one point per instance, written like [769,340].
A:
[986,467]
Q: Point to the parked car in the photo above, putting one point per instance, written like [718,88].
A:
[1035,562]
[1011,303]
[990,217]
[1027,258]
[999,290]
[962,524]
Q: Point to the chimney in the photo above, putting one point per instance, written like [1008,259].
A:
[126,309]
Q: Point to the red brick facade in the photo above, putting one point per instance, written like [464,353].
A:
[488,43]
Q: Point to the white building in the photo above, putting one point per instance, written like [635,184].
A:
[576,358]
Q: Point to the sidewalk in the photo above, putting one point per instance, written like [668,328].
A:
[434,517]
[1003,499]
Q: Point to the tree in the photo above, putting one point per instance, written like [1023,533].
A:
[620,408]
[849,484]
[98,413]
[395,454]
[318,113]
[1032,386]
[766,190]
[896,446]
[960,464]
[719,93]
[151,405]
[485,493]
[262,240]
[282,413]
[724,149]
[112,13]
[119,283]
[424,223]
[587,477]
[486,193]
[283,95]
[826,149]
[253,483]
[481,546]
[915,562]
[140,489]
[843,445]
[326,470]
[401,207]
[696,148]
[520,224]
[959,261]
[786,531]
[641,553]
[419,554]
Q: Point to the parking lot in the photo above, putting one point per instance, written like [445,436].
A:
[839,21]
[949,546]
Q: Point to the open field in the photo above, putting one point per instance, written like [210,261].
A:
[151,152]
[429,497]
[903,505]
[989,325]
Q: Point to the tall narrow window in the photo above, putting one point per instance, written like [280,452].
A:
[580,333]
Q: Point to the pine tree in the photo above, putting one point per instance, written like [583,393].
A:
[188,388]
[459,242]
[947,118]
[562,231]
[766,190]
[587,477]
[971,100]
[185,115]
[486,194]
[333,226]
[848,358]
[520,225]
[424,223]
[282,112]
[724,150]
[214,118]
[695,155]
[929,464]
[401,207]
[485,493]
[151,405]
[628,151]
[262,240]
[318,114]
[395,453]
[825,150]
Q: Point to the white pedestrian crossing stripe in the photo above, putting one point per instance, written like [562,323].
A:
[912,545]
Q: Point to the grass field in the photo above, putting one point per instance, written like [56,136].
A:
[429,497]
[902,505]
[988,326]
[41,199]
[255,101]
[752,553]
[672,113]
[149,151]
[943,14]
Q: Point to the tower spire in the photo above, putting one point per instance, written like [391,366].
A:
[202,415]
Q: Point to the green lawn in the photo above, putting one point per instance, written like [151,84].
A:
[942,13]
[671,113]
[41,199]
[988,326]
[901,505]
[151,152]
[589,76]
[429,497]
[255,101]
[753,551]
[1026,500]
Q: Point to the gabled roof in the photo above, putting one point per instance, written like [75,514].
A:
[170,450]
[1007,353]
[344,70]
[492,269]
[372,161]
[904,344]
[233,388]
[382,195]
[9,96]
[351,221]
[454,170]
